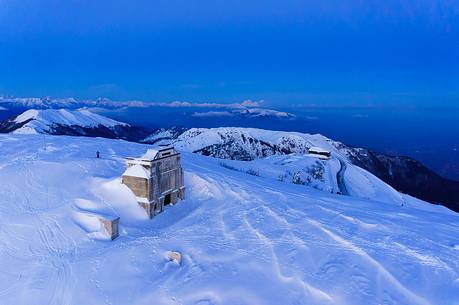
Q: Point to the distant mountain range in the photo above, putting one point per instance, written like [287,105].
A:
[246,108]
[404,174]
[57,103]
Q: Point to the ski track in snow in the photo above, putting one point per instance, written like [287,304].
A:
[244,239]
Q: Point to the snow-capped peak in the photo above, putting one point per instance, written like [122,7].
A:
[26,116]
[80,117]
[79,122]
[45,121]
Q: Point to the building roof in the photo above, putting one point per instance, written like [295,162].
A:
[318,150]
[150,154]
[138,171]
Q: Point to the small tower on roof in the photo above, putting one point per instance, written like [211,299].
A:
[156,179]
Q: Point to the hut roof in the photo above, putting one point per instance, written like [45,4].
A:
[138,171]
[150,154]
[318,150]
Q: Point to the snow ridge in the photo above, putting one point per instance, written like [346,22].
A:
[243,143]
[39,121]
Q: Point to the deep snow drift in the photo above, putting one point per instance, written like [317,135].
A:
[245,239]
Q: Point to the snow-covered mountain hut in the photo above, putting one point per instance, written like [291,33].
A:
[320,152]
[156,179]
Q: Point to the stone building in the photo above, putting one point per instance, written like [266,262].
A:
[156,179]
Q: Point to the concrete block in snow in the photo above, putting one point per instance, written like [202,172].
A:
[110,226]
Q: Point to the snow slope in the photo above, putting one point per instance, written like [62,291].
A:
[43,121]
[245,239]
[320,174]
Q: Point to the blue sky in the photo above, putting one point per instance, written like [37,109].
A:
[332,53]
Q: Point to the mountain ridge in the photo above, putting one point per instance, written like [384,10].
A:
[403,173]
[79,122]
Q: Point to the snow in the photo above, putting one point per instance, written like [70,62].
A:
[208,114]
[319,156]
[197,138]
[142,200]
[44,120]
[33,102]
[150,154]
[138,171]
[243,239]
[318,150]
[363,184]
[244,108]
[314,173]
[318,174]
[262,112]
[27,115]
[26,130]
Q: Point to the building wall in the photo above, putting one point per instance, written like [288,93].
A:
[139,186]
[168,176]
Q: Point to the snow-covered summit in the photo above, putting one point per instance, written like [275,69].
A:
[80,122]
[43,121]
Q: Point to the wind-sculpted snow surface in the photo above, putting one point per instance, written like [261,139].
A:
[244,239]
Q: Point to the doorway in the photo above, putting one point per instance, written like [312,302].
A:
[167,199]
